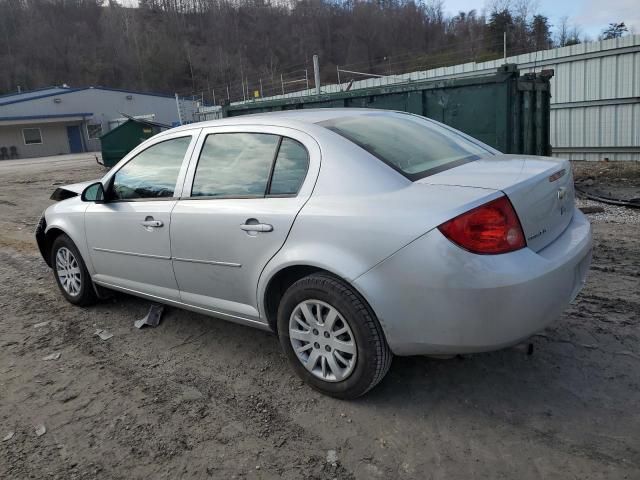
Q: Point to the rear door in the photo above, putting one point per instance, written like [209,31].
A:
[128,235]
[244,188]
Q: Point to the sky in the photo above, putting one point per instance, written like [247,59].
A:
[591,15]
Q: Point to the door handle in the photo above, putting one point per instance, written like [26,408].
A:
[256,227]
[152,223]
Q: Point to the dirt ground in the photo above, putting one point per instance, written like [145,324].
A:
[201,398]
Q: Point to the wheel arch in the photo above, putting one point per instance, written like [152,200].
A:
[75,233]
[280,280]
[47,242]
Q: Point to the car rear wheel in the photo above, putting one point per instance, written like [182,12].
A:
[331,337]
[71,273]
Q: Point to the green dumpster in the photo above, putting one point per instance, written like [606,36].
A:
[506,110]
[125,137]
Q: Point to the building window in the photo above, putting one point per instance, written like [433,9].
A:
[32,136]
[94,130]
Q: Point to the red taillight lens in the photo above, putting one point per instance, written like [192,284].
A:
[491,228]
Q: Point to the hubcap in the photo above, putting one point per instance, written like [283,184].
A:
[322,340]
[68,271]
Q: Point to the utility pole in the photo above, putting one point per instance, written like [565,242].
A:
[504,42]
[282,83]
[316,73]
[261,93]
[213,92]
[179,110]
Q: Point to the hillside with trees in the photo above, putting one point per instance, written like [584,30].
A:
[207,46]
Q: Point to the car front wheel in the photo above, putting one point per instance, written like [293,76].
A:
[71,273]
[331,337]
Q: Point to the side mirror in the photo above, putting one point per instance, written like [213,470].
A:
[93,193]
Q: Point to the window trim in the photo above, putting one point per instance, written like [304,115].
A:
[179,178]
[24,139]
[271,170]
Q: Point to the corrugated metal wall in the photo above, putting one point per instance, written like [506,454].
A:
[595,103]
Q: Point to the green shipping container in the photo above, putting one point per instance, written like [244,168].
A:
[506,110]
[125,137]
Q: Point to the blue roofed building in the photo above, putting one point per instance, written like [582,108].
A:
[61,120]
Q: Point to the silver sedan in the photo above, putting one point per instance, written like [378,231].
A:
[352,234]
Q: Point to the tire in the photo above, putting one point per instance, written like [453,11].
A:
[320,295]
[65,257]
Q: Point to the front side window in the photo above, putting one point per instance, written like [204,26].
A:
[152,173]
[32,136]
[412,145]
[235,164]
[290,168]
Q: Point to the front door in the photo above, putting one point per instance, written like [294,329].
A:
[241,198]
[75,139]
[128,235]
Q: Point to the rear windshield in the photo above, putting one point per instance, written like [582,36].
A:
[412,145]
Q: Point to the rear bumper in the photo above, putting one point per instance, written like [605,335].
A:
[432,297]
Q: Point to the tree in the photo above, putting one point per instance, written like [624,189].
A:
[499,22]
[567,34]
[198,46]
[614,30]
[541,32]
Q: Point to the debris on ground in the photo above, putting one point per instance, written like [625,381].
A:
[52,356]
[593,209]
[41,324]
[8,436]
[40,430]
[332,457]
[103,334]
[152,318]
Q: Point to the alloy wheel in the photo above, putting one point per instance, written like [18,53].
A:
[68,271]
[322,340]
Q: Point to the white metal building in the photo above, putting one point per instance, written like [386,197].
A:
[61,120]
[595,104]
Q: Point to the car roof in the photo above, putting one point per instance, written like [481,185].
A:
[287,117]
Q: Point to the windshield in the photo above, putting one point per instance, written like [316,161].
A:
[413,145]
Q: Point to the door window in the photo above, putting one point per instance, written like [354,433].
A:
[235,165]
[290,168]
[153,173]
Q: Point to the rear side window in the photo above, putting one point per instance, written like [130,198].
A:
[152,173]
[290,169]
[412,145]
[235,164]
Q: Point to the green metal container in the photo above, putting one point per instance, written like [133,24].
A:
[121,140]
[508,111]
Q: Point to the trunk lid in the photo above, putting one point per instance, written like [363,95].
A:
[539,188]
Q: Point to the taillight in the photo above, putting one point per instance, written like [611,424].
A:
[491,228]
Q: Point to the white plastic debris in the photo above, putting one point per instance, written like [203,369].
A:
[52,356]
[8,436]
[41,324]
[152,318]
[103,334]
[40,430]
[332,457]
